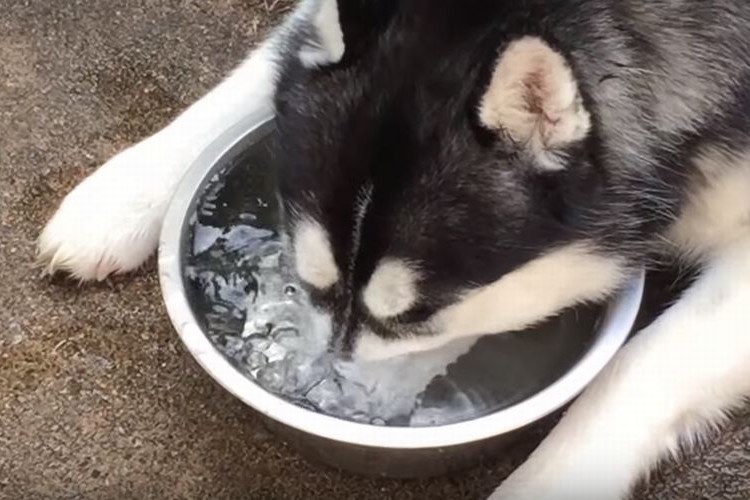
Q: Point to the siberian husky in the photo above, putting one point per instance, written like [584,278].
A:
[457,168]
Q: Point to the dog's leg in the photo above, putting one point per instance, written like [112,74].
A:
[676,379]
[111,221]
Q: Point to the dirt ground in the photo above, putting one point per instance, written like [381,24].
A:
[98,400]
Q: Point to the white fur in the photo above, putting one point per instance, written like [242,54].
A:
[111,221]
[543,287]
[678,377]
[313,255]
[673,381]
[536,290]
[719,207]
[533,96]
[371,347]
[330,46]
[392,289]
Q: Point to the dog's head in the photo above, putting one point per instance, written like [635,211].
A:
[437,175]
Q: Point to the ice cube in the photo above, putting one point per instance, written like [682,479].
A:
[426,417]
[285,332]
[255,328]
[204,237]
[233,290]
[275,352]
[290,340]
[361,417]
[354,398]
[284,343]
[270,380]
[256,360]
[273,376]
[269,255]
[246,237]
[232,345]
[309,372]
[260,343]
[326,396]
[445,403]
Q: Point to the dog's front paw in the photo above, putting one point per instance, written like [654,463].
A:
[541,488]
[110,222]
[510,491]
[521,487]
[562,477]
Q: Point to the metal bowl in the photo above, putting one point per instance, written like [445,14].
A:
[351,446]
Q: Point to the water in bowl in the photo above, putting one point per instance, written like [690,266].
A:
[242,288]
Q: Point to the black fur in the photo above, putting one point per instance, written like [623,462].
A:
[398,115]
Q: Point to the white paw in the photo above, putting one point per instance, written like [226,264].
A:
[521,488]
[110,222]
[539,489]
[556,479]
[509,491]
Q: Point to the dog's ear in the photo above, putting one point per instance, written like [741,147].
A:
[533,98]
[341,28]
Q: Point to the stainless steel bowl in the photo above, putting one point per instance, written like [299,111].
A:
[357,447]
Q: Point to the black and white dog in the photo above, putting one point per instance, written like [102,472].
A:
[458,168]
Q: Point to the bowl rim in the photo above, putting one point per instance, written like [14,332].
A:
[616,325]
